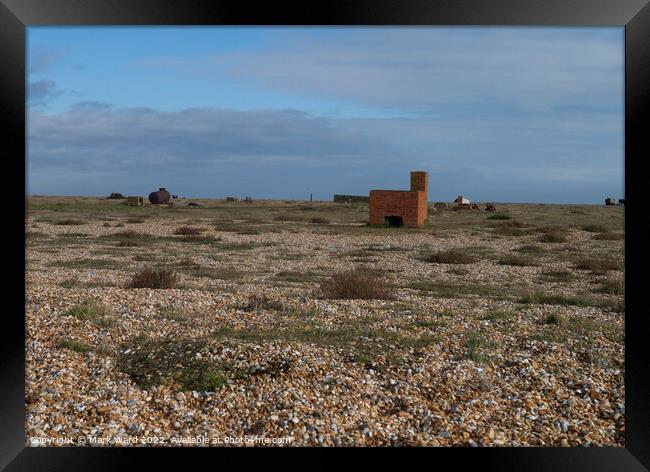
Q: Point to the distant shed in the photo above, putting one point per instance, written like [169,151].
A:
[351,199]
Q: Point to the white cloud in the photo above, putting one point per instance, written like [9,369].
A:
[422,69]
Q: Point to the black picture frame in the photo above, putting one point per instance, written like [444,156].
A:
[634,15]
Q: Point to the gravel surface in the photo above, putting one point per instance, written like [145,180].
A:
[457,357]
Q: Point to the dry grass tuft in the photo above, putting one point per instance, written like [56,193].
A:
[557,276]
[89,310]
[450,256]
[555,319]
[597,266]
[257,302]
[198,238]
[359,283]
[595,229]
[69,222]
[154,278]
[609,236]
[320,221]
[73,345]
[553,237]
[532,248]
[187,230]
[517,260]
[613,286]
[512,228]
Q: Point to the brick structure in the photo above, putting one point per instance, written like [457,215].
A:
[401,207]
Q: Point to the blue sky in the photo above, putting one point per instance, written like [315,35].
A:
[495,114]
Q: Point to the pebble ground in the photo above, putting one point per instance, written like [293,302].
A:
[460,356]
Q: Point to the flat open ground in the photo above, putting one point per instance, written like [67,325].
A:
[514,337]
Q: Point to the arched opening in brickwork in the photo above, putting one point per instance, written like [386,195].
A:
[395,221]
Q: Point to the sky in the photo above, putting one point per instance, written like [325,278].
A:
[503,114]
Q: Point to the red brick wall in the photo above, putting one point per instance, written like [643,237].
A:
[419,182]
[411,206]
[423,208]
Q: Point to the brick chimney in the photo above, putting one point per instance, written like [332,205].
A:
[400,207]
[419,182]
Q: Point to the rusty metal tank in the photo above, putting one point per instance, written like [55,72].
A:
[161,196]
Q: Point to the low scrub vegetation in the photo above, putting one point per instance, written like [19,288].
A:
[69,222]
[359,283]
[597,265]
[175,361]
[545,298]
[74,345]
[531,248]
[512,229]
[173,313]
[450,256]
[555,319]
[557,276]
[35,235]
[363,343]
[476,344]
[613,286]
[187,231]
[129,243]
[495,315]
[258,302]
[446,289]
[69,283]
[499,216]
[85,263]
[289,218]
[458,271]
[198,238]
[154,278]
[609,236]
[516,260]
[553,237]
[131,235]
[514,224]
[223,272]
[498,315]
[320,221]
[582,327]
[301,277]
[595,228]
[97,313]
[243,246]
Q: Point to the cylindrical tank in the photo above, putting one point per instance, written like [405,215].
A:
[161,196]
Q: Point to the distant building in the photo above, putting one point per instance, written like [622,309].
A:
[460,200]
[401,207]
